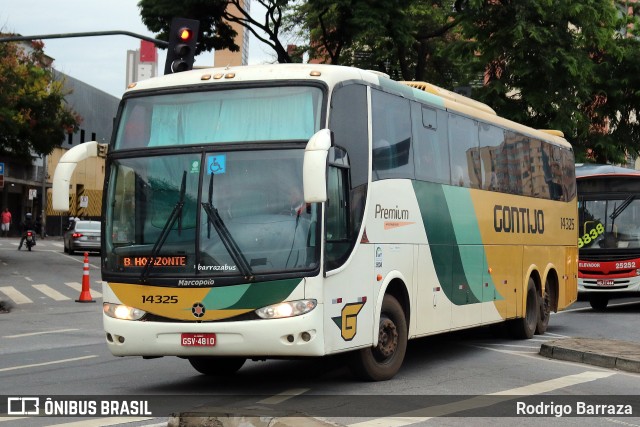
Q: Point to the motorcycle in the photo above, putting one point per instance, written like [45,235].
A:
[30,239]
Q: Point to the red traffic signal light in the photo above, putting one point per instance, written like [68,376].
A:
[183,38]
[185,34]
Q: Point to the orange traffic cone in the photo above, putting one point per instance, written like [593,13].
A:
[85,294]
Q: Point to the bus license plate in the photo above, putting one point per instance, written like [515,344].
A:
[605,282]
[197,340]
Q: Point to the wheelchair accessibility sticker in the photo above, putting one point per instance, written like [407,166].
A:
[217,164]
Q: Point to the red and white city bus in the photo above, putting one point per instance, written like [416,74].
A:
[609,233]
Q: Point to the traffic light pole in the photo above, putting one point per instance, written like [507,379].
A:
[158,43]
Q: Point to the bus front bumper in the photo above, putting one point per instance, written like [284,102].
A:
[627,285]
[287,337]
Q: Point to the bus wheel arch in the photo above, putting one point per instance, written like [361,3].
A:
[383,360]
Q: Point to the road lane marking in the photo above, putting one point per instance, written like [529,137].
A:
[285,395]
[30,334]
[15,295]
[53,362]
[112,421]
[416,416]
[78,287]
[51,293]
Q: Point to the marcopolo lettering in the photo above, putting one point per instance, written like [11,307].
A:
[512,219]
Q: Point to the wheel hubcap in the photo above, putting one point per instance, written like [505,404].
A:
[388,339]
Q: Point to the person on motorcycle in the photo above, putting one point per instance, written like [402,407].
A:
[26,225]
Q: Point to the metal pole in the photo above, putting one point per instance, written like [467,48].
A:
[43,221]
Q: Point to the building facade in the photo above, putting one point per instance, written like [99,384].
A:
[25,184]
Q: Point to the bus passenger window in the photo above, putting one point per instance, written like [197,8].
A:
[431,151]
[391,124]
[465,155]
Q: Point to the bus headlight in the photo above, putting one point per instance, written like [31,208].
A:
[123,312]
[287,309]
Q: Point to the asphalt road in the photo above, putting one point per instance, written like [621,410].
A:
[51,345]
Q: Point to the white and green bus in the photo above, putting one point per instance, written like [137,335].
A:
[279,211]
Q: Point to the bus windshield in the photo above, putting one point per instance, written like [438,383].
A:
[209,117]
[609,223]
[243,215]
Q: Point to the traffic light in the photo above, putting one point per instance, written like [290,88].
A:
[182,45]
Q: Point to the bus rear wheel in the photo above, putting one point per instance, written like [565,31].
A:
[525,327]
[217,366]
[545,309]
[383,361]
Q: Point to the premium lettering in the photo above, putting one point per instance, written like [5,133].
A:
[391,213]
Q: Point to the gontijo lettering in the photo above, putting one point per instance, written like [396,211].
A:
[512,219]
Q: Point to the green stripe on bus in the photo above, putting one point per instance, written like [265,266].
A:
[249,296]
[455,242]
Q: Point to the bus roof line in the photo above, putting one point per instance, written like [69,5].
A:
[452,96]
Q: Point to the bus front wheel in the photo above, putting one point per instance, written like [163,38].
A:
[525,327]
[383,361]
[217,366]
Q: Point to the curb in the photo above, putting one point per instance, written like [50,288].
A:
[611,354]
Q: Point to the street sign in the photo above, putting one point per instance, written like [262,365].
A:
[84,201]
[1,168]
[33,193]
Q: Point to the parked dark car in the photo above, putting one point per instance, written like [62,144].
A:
[83,236]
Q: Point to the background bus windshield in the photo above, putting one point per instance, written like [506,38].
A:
[609,223]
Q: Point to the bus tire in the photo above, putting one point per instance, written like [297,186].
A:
[383,361]
[545,309]
[525,327]
[217,366]
[599,302]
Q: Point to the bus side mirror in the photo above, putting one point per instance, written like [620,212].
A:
[64,171]
[314,169]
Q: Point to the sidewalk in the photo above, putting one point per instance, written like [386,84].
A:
[613,354]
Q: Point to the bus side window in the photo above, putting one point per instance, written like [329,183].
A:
[431,153]
[465,156]
[391,127]
[491,139]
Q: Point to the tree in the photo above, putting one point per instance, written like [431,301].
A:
[403,38]
[34,118]
[553,65]
[214,16]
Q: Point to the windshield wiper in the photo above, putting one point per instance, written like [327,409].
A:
[617,211]
[176,214]
[229,243]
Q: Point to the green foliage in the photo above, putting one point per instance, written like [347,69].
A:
[215,16]
[34,118]
[555,65]
[214,32]
[548,64]
[404,38]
